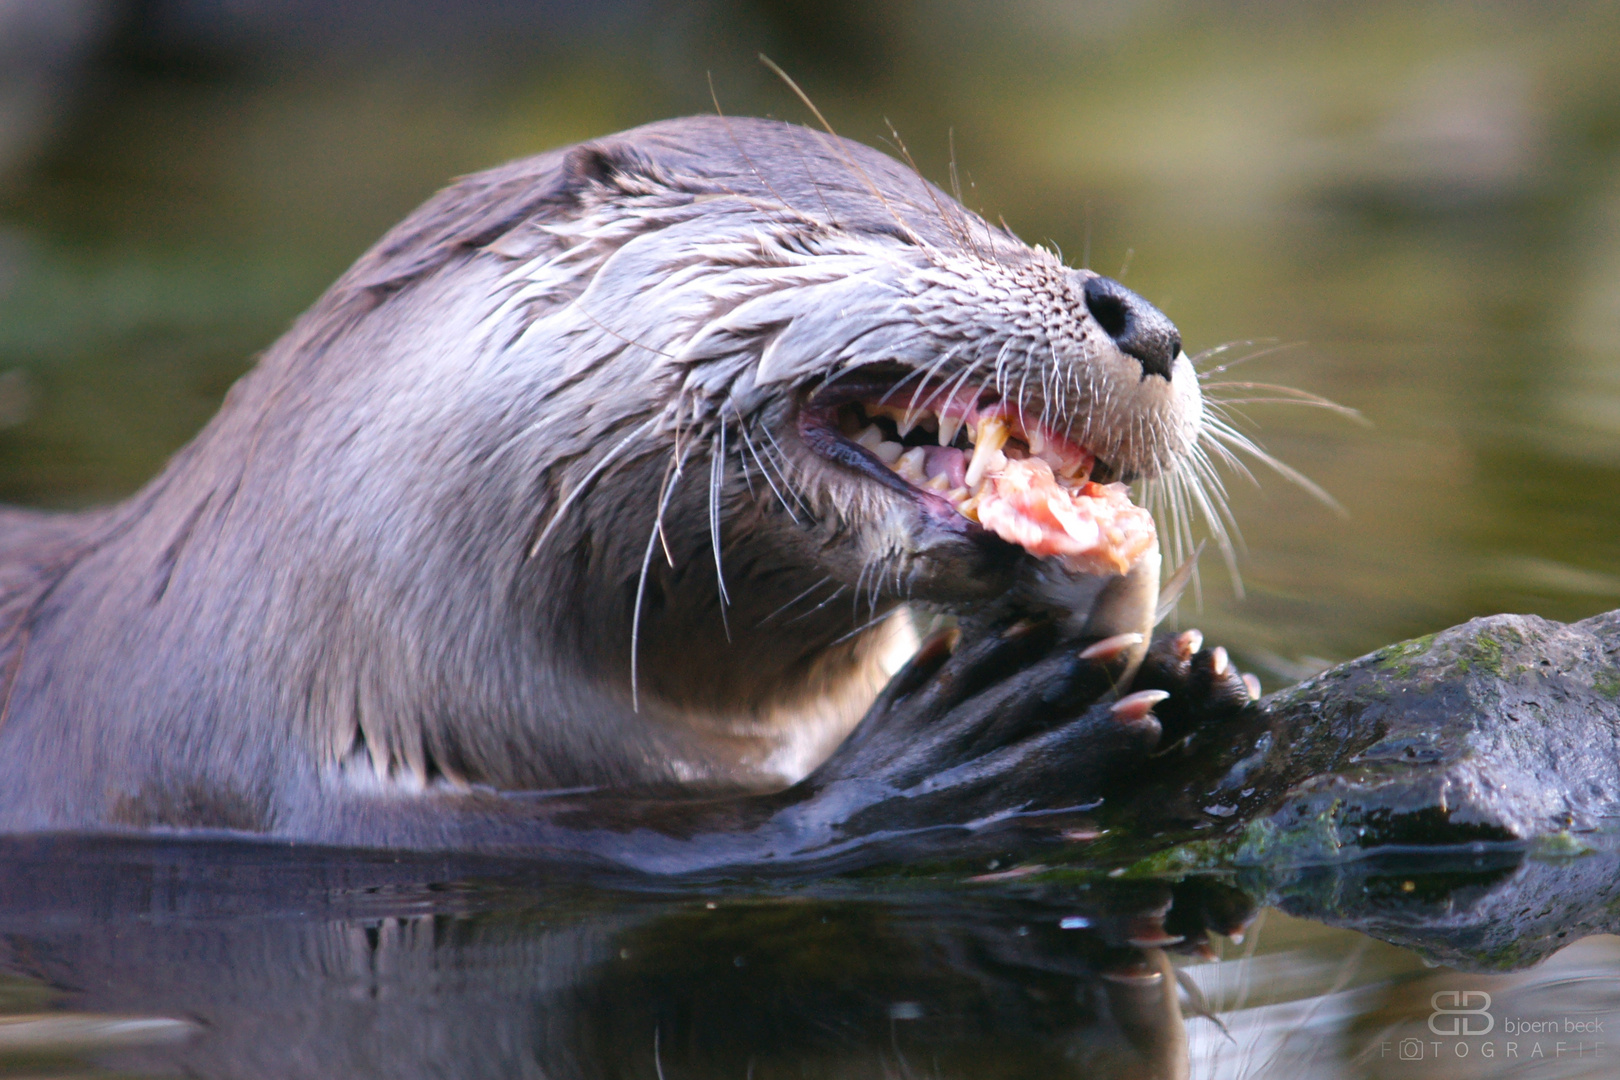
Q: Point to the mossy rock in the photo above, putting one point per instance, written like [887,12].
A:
[1502,729]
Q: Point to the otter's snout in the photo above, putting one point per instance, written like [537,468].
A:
[1138,328]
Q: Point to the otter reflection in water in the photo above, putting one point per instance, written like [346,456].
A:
[295,966]
[613,469]
[232,959]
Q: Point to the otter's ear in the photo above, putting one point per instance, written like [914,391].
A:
[614,166]
[591,163]
[600,169]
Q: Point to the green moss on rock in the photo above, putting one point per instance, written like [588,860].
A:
[1397,659]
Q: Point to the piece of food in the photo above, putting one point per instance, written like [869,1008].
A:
[1008,473]
[1091,528]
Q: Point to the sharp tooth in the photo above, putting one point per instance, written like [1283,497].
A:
[870,437]
[948,427]
[910,465]
[906,421]
[991,437]
[888,452]
[941,482]
[1037,442]
[993,433]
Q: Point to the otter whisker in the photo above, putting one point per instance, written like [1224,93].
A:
[595,470]
[872,578]
[677,461]
[671,479]
[576,305]
[1230,436]
[1290,396]
[1023,383]
[1162,499]
[1277,348]
[861,629]
[843,152]
[953,223]
[956,181]
[1219,449]
[872,569]
[742,459]
[749,443]
[1196,482]
[914,373]
[955,387]
[1211,483]
[877,589]
[1183,511]
[1332,406]
[1225,347]
[1049,386]
[717,466]
[836,593]
[860,587]
[1001,368]
[809,174]
[738,146]
[795,600]
[932,370]
[956,191]
[781,456]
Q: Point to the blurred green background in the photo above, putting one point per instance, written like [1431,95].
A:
[1419,201]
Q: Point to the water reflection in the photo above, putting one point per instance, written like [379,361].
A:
[320,967]
[229,960]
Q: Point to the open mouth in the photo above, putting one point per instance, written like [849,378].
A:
[973,461]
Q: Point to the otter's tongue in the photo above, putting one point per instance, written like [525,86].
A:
[1090,528]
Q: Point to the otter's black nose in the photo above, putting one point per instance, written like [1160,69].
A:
[1137,327]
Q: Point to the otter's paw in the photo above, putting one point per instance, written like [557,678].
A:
[1007,715]
[1203,684]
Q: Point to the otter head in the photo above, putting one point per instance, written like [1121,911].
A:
[789,363]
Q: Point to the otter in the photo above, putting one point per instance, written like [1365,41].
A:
[570,520]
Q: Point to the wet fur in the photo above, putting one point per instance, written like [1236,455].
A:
[391,565]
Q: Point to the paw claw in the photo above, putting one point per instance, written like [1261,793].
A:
[1219,661]
[1188,642]
[1110,647]
[1138,705]
[1252,685]
[1020,629]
